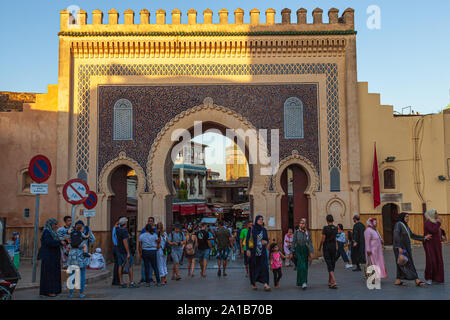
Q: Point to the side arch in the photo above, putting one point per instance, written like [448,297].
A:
[311,172]
[108,169]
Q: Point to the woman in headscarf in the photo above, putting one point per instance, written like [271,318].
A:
[50,256]
[402,245]
[257,241]
[303,249]
[374,248]
[434,270]
[79,258]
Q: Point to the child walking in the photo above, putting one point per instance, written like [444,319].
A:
[275,263]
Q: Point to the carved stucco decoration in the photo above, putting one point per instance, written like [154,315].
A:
[336,206]
[306,164]
[122,159]
[208,104]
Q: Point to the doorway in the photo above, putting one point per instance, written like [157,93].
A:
[294,203]
[390,217]
[124,202]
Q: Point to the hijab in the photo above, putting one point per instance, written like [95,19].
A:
[49,227]
[372,222]
[256,227]
[401,217]
[431,215]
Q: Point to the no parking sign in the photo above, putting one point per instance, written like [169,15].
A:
[75,191]
[40,168]
[91,200]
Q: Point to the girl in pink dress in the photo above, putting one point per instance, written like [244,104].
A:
[374,247]
[275,263]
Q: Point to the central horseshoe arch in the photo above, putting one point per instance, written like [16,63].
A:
[208,112]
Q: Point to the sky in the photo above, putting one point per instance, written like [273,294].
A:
[406,58]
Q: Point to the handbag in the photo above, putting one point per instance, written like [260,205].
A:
[251,244]
[402,259]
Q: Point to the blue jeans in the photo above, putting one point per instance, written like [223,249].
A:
[143,267]
[150,257]
[82,280]
[341,252]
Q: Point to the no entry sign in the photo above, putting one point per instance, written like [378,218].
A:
[75,191]
[40,168]
[91,201]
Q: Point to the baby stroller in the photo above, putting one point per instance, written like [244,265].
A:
[9,276]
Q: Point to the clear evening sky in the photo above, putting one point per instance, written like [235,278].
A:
[407,60]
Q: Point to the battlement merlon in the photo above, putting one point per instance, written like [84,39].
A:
[79,26]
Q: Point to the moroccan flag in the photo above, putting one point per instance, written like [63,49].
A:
[376,180]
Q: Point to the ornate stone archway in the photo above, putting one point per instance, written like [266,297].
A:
[122,159]
[310,192]
[106,192]
[162,145]
[296,158]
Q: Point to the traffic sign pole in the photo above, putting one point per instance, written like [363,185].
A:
[36,229]
[74,208]
[39,169]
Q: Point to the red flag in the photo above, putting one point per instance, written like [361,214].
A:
[376,181]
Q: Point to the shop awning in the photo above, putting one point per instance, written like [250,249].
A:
[176,208]
[201,208]
[187,209]
[131,208]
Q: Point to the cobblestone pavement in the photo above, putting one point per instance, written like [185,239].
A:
[236,286]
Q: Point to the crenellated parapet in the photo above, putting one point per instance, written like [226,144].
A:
[297,35]
[99,26]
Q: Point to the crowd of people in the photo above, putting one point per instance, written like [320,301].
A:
[359,248]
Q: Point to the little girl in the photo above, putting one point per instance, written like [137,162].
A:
[275,263]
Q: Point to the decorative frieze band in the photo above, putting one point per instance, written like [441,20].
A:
[209,48]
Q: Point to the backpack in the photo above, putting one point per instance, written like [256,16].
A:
[189,248]
[75,239]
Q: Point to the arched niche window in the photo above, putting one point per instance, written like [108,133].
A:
[335,180]
[123,120]
[293,119]
[389,179]
[24,182]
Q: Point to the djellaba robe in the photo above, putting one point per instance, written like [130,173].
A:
[402,239]
[358,253]
[302,247]
[374,245]
[258,264]
[434,269]
[50,255]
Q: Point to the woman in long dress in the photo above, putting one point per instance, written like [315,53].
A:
[257,241]
[50,255]
[402,245]
[374,248]
[161,256]
[303,248]
[434,270]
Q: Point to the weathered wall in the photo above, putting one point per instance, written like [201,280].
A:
[24,135]
[394,136]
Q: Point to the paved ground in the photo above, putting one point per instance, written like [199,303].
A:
[26,268]
[235,286]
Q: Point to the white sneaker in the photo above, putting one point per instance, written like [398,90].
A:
[348,266]
[428,282]
[304,286]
